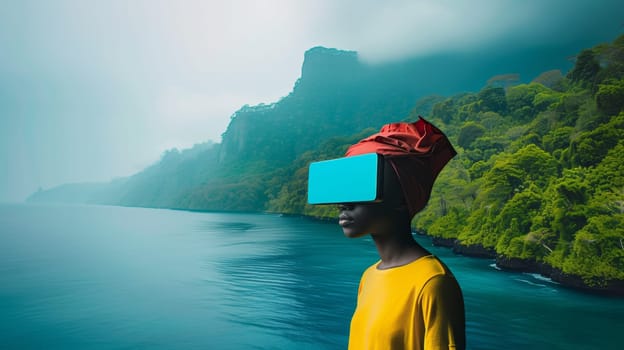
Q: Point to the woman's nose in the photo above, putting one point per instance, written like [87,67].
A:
[345,206]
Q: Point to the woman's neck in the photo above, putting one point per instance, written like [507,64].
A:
[397,249]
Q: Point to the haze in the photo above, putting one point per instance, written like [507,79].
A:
[92,90]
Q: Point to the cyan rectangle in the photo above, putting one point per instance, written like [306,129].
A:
[346,180]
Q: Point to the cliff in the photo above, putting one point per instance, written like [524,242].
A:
[536,182]
[339,95]
[336,95]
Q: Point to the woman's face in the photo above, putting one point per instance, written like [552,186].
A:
[359,219]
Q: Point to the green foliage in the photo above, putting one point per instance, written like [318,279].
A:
[569,206]
[607,176]
[424,107]
[553,190]
[524,247]
[552,79]
[610,97]
[518,212]
[468,133]
[586,68]
[446,226]
[478,168]
[589,147]
[597,252]
[492,99]
[451,199]
[539,173]
[504,80]
[557,139]
[521,98]
[449,109]
[611,59]
[492,121]
[572,103]
[508,195]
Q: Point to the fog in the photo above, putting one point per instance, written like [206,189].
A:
[92,90]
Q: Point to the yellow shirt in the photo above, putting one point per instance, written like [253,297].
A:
[415,306]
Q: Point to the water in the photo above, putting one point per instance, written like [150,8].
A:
[97,277]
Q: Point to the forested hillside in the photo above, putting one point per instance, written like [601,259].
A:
[337,95]
[537,183]
[539,177]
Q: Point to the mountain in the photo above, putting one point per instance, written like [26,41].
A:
[87,193]
[336,95]
[158,185]
[537,184]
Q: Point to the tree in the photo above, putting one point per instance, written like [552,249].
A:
[515,219]
[503,80]
[552,79]
[538,166]
[610,97]
[521,100]
[493,99]
[569,212]
[590,147]
[424,106]
[597,252]
[468,133]
[585,69]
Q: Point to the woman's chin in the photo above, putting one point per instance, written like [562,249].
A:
[351,233]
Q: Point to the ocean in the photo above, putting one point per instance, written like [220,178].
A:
[105,277]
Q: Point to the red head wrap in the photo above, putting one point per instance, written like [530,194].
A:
[417,151]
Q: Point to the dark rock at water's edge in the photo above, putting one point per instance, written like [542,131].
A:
[474,250]
[516,264]
[557,275]
[609,288]
[544,269]
[436,241]
[443,242]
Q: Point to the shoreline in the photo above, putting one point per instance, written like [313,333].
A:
[611,288]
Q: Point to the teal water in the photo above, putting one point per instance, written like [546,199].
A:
[97,277]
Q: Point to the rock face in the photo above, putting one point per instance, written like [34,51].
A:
[336,95]
[322,72]
[566,280]
[339,95]
[516,264]
[237,134]
[615,288]
[610,288]
[443,242]
[475,250]
[322,64]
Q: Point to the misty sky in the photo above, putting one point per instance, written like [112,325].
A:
[92,90]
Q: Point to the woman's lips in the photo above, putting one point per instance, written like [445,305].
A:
[344,220]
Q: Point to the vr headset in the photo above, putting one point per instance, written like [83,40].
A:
[346,180]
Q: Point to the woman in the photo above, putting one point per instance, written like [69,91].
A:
[409,299]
